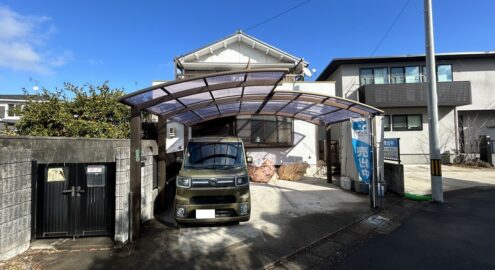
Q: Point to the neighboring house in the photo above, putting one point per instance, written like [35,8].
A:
[9,104]
[397,84]
[280,139]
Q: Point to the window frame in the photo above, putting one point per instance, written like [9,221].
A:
[8,110]
[250,143]
[451,72]
[387,77]
[372,76]
[389,123]
[403,74]
[407,122]
[419,73]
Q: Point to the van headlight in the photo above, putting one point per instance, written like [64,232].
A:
[184,182]
[242,180]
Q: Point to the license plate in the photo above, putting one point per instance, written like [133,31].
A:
[205,213]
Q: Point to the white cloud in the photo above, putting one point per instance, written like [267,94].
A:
[23,41]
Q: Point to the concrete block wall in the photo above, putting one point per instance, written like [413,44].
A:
[147,173]
[15,201]
[122,187]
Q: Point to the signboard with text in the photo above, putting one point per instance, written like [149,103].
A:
[361,147]
[391,149]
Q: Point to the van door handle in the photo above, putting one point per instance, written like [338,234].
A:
[72,191]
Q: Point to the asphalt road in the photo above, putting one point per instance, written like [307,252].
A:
[459,234]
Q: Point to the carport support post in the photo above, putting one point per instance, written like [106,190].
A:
[162,156]
[328,154]
[186,136]
[135,173]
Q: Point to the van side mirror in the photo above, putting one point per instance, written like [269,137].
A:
[179,159]
[249,159]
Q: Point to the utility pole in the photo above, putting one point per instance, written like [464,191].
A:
[435,158]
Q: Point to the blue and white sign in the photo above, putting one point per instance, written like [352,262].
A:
[391,149]
[361,147]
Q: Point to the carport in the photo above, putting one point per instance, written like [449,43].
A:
[202,98]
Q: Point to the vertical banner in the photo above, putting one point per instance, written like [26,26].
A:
[361,147]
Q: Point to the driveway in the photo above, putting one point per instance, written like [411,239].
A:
[285,217]
[417,178]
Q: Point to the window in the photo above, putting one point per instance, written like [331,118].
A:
[407,122]
[397,75]
[380,75]
[444,73]
[14,110]
[366,76]
[386,123]
[266,130]
[412,74]
[373,76]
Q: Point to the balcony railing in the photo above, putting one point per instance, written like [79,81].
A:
[414,94]
[287,77]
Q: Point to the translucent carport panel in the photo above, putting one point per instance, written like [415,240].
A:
[263,76]
[250,106]
[238,77]
[166,107]
[295,106]
[205,96]
[207,111]
[319,109]
[258,90]
[273,106]
[229,108]
[366,109]
[229,92]
[182,86]
[185,117]
[338,116]
[146,96]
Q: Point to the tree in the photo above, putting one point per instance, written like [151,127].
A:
[89,111]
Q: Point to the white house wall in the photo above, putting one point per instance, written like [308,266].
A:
[304,149]
[414,145]
[239,52]
[481,74]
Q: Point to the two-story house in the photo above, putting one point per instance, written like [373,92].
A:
[279,139]
[398,85]
[9,107]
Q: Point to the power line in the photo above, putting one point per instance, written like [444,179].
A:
[277,15]
[390,27]
[348,86]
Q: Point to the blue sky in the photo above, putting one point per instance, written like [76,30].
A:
[131,43]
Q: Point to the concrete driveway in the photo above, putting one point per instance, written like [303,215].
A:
[285,217]
[417,178]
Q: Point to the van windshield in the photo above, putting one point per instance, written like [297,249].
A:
[214,155]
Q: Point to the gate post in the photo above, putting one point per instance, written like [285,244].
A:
[135,172]
[328,152]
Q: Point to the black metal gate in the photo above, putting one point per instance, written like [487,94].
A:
[75,200]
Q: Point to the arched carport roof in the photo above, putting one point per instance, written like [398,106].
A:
[246,92]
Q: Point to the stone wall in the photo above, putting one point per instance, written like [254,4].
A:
[15,201]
